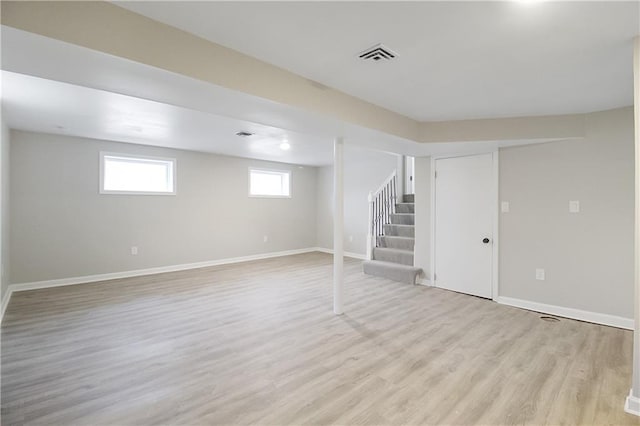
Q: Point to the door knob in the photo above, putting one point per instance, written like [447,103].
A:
[486,241]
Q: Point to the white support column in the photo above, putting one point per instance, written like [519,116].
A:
[632,405]
[338,224]
[370,236]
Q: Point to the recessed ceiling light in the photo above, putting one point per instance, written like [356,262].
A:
[285,146]
[244,134]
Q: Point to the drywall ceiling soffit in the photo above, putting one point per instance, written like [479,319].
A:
[152,96]
[32,54]
[46,106]
[195,57]
[542,127]
[176,89]
[107,28]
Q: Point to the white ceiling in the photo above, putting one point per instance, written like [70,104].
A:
[457,60]
[47,106]
[55,87]
[163,108]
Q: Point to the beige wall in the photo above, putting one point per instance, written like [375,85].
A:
[4,209]
[587,257]
[61,227]
[364,171]
[324,203]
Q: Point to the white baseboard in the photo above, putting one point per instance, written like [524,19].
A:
[632,404]
[346,253]
[423,281]
[594,317]
[149,271]
[5,302]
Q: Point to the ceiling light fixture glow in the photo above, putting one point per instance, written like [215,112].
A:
[285,146]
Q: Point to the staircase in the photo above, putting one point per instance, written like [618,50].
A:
[392,256]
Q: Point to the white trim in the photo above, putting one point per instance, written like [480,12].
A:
[149,271]
[432,218]
[346,253]
[632,404]
[338,226]
[5,302]
[495,259]
[594,317]
[495,239]
[370,239]
[424,281]
[158,270]
[174,173]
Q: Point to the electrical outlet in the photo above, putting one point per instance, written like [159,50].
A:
[134,250]
[504,207]
[265,238]
[574,206]
[540,274]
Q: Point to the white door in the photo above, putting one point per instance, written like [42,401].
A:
[464,209]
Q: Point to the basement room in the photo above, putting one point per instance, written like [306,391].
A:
[320,213]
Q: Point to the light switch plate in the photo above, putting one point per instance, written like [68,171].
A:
[574,206]
[540,274]
[504,207]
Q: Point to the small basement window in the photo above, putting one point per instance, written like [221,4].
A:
[128,174]
[269,183]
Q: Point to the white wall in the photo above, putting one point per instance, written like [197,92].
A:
[62,227]
[422,187]
[364,171]
[4,209]
[587,257]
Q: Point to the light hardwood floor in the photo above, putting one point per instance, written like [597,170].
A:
[257,343]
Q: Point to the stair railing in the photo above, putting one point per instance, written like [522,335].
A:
[382,204]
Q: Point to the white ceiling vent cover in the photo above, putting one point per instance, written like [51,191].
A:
[377,53]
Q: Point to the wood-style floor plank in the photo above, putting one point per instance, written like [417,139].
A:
[257,343]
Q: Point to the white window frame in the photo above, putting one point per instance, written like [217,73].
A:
[272,171]
[103,154]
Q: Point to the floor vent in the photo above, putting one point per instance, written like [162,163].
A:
[377,53]
[549,319]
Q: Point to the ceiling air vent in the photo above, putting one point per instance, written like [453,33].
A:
[377,53]
[244,134]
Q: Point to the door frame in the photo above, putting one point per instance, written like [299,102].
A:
[496,217]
